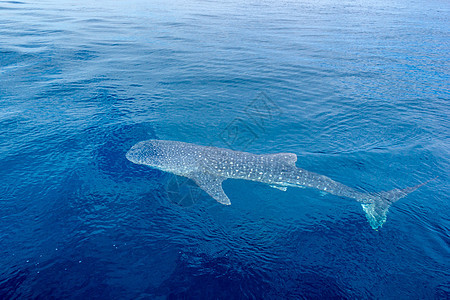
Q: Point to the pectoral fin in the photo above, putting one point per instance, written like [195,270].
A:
[211,184]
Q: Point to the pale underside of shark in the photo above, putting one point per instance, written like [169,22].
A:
[210,166]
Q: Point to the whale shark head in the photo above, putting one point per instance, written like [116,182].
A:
[144,153]
[167,156]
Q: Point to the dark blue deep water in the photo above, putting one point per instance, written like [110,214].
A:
[359,90]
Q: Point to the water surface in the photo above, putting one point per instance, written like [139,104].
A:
[358,89]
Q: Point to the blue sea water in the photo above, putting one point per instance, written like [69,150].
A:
[359,90]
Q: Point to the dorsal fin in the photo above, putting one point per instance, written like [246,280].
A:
[288,158]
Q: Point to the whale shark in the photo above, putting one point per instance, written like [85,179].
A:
[208,167]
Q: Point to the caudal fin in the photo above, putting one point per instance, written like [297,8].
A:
[376,211]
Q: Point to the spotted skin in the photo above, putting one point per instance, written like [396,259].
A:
[210,166]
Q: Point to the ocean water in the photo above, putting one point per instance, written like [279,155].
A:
[359,90]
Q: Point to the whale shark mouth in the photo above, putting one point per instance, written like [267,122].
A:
[133,155]
[141,153]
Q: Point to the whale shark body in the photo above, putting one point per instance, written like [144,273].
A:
[208,167]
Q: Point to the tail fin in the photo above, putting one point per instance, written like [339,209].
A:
[380,202]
